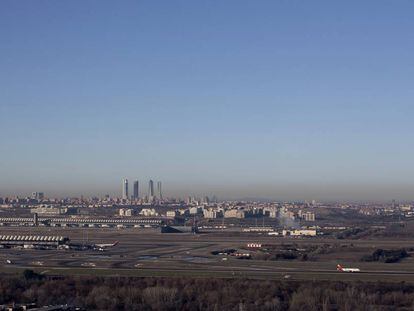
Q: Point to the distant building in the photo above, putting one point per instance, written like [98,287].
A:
[258,229]
[151,190]
[301,232]
[290,215]
[126,212]
[184,212]
[206,200]
[125,189]
[309,216]
[136,189]
[195,210]
[38,196]
[306,216]
[148,212]
[234,213]
[273,213]
[48,210]
[211,213]
[172,213]
[254,245]
[159,190]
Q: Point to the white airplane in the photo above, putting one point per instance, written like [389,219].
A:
[341,269]
[105,246]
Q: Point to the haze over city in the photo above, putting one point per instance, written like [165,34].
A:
[238,99]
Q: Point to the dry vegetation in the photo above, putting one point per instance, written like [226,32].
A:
[94,293]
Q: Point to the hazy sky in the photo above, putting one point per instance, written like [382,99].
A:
[277,99]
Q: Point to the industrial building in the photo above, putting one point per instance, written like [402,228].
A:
[80,221]
[300,232]
[32,241]
[49,210]
[258,229]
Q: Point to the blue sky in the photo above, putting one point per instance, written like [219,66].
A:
[276,99]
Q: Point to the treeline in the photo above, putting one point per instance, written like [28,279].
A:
[281,255]
[356,233]
[116,293]
[387,256]
[294,252]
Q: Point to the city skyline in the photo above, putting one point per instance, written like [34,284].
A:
[272,100]
[136,193]
[286,192]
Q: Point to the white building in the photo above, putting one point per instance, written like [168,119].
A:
[210,213]
[300,232]
[172,213]
[126,212]
[234,213]
[48,210]
[148,212]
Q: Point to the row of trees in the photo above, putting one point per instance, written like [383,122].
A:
[96,293]
[387,256]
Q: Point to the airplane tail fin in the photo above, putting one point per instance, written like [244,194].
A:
[339,267]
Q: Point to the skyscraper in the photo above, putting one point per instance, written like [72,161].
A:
[151,190]
[159,191]
[136,189]
[125,189]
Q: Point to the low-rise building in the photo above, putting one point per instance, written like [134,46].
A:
[195,210]
[300,232]
[254,245]
[258,229]
[234,213]
[148,212]
[46,210]
[210,213]
[126,212]
[172,213]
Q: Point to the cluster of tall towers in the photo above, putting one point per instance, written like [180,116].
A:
[135,195]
